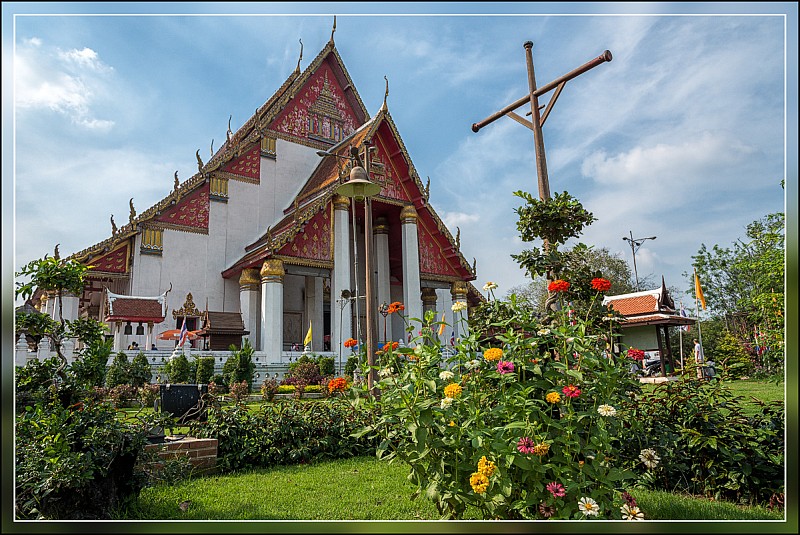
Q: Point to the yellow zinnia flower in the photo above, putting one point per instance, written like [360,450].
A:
[453,390]
[493,353]
[553,397]
[541,448]
[479,482]
[486,467]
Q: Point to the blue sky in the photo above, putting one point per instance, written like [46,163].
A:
[682,136]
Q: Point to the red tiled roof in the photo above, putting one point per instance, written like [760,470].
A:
[640,304]
[136,309]
[653,319]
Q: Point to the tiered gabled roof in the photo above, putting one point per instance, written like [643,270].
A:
[649,307]
[136,308]
[235,147]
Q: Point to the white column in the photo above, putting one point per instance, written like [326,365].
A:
[69,307]
[21,351]
[458,290]
[148,343]
[249,299]
[117,326]
[381,231]
[411,286]
[342,324]
[428,297]
[272,274]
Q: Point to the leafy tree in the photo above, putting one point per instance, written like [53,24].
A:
[179,369]
[744,284]
[140,371]
[90,369]
[205,370]
[59,278]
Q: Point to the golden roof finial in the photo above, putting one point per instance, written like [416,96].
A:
[55,252]
[199,161]
[113,226]
[133,211]
[297,69]
[229,133]
[211,150]
[386,95]
[333,31]
[177,182]
[427,188]
[458,238]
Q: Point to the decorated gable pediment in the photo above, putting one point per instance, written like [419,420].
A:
[246,167]
[190,213]
[385,173]
[315,241]
[319,111]
[115,261]
[432,258]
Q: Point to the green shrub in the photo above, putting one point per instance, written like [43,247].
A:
[326,365]
[731,357]
[178,368]
[140,372]
[76,462]
[285,433]
[119,371]
[707,444]
[268,389]
[239,366]
[205,370]
[219,382]
[351,366]
[33,380]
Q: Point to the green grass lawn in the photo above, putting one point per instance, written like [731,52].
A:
[360,488]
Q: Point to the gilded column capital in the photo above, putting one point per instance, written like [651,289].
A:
[272,270]
[249,279]
[381,226]
[458,289]
[340,202]
[428,296]
[408,214]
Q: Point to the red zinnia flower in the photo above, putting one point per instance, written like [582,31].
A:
[558,285]
[350,342]
[556,489]
[601,285]
[635,354]
[525,445]
[571,391]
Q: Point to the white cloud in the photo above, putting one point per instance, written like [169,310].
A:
[456,219]
[65,82]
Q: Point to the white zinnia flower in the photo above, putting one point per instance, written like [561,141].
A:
[489,286]
[446,402]
[543,332]
[386,372]
[472,364]
[588,506]
[606,410]
[631,512]
[649,458]
[446,375]
[458,306]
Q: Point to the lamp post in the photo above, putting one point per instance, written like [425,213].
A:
[635,244]
[360,188]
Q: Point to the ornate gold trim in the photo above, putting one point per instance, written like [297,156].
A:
[428,296]
[381,226]
[249,279]
[272,270]
[296,261]
[340,202]
[458,289]
[408,214]
[188,308]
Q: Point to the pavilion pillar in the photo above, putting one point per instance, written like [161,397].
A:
[341,311]
[458,291]
[272,274]
[117,336]
[249,299]
[411,284]
[381,232]
[148,343]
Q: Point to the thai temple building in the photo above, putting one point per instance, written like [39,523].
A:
[259,245]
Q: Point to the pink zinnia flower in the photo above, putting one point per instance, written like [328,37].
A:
[505,366]
[525,445]
[571,391]
[556,489]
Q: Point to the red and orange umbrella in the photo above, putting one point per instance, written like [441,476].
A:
[175,334]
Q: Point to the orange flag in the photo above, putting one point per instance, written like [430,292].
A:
[441,327]
[698,291]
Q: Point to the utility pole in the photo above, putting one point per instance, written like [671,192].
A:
[635,244]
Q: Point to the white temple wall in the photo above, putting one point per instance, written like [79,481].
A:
[295,322]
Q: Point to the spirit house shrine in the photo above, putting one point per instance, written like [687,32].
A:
[260,232]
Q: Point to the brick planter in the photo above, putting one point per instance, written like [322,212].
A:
[202,452]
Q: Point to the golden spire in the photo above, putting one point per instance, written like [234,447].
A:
[177,183]
[297,69]
[133,211]
[199,161]
[333,31]
[386,95]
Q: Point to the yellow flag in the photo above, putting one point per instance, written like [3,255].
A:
[441,327]
[698,291]
[307,341]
